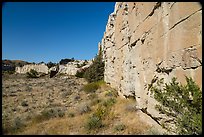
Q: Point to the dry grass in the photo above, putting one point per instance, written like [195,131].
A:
[58,126]
[129,118]
[114,118]
[119,116]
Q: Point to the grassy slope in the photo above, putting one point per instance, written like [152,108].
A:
[120,118]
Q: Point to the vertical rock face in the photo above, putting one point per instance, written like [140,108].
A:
[143,38]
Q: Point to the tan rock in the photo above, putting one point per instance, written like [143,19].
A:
[147,35]
[37,67]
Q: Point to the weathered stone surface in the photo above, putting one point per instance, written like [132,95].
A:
[70,68]
[142,39]
[37,67]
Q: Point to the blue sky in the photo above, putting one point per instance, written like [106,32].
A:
[51,31]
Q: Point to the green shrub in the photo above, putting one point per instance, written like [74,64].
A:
[109,102]
[49,113]
[65,61]
[93,122]
[32,74]
[101,112]
[91,87]
[119,127]
[24,103]
[183,102]
[16,126]
[80,73]
[9,72]
[50,64]
[95,72]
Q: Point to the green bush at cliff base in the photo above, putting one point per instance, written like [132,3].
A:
[95,72]
[183,102]
[93,86]
[80,73]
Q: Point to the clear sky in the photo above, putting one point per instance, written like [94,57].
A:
[51,31]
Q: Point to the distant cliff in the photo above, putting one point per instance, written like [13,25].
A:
[152,39]
[69,68]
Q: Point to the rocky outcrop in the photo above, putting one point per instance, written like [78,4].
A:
[70,68]
[37,67]
[144,40]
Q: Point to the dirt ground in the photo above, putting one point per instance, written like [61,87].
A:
[67,107]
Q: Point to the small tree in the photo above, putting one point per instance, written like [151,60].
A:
[65,61]
[95,72]
[50,64]
[183,102]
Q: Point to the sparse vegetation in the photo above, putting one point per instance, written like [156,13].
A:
[109,102]
[80,73]
[110,93]
[183,102]
[32,74]
[64,108]
[92,87]
[84,108]
[71,114]
[16,126]
[95,101]
[101,112]
[93,122]
[8,72]
[50,64]
[49,113]
[24,104]
[119,127]
[65,61]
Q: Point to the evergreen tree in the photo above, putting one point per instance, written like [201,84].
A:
[96,71]
[183,102]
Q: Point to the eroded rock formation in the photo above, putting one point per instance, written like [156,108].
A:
[37,67]
[70,68]
[144,40]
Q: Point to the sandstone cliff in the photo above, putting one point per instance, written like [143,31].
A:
[144,38]
[37,67]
